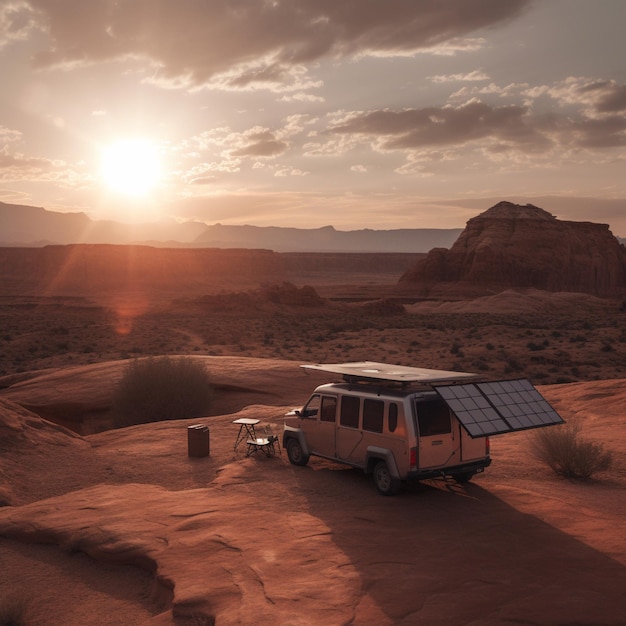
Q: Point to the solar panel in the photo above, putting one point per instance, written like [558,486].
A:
[373,371]
[498,407]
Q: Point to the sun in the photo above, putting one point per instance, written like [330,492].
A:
[131,167]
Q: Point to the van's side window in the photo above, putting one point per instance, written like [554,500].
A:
[329,409]
[349,415]
[373,413]
[392,420]
[433,417]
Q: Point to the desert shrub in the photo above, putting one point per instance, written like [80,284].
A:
[568,454]
[287,293]
[512,365]
[13,610]
[531,345]
[578,339]
[162,388]
[386,306]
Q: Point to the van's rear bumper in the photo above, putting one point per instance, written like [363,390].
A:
[475,467]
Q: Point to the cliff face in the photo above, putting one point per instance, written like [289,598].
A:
[84,268]
[524,246]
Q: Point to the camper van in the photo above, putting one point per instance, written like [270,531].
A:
[403,423]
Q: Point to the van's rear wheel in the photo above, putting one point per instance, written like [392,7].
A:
[463,477]
[296,453]
[386,484]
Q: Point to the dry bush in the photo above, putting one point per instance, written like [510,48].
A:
[568,454]
[13,610]
[162,388]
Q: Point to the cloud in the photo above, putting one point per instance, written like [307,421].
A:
[255,142]
[19,167]
[262,143]
[609,132]
[613,99]
[289,171]
[590,117]
[15,166]
[301,96]
[8,135]
[255,43]
[219,152]
[441,126]
[17,21]
[476,75]
[597,97]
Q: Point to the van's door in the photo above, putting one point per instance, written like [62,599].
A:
[472,449]
[318,423]
[350,432]
[439,441]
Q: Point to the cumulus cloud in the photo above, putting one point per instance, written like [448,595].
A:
[256,43]
[593,120]
[17,21]
[301,96]
[254,142]
[613,100]
[15,166]
[598,97]
[221,151]
[289,171]
[608,132]
[8,135]
[261,143]
[440,126]
[476,75]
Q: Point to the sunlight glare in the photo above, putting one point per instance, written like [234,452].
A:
[131,166]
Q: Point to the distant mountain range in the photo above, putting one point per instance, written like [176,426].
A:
[30,226]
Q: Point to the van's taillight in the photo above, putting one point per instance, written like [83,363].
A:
[413,459]
[487,446]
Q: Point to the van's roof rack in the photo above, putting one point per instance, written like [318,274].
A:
[377,373]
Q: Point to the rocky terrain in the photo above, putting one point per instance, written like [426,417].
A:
[149,273]
[513,246]
[122,527]
[110,526]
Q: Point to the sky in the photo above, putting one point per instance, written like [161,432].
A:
[354,113]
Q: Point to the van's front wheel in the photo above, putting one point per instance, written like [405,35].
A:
[386,484]
[296,453]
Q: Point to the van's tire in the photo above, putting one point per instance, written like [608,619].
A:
[463,477]
[386,484]
[296,453]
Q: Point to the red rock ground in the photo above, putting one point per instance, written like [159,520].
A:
[122,527]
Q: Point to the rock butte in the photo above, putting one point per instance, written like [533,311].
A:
[523,246]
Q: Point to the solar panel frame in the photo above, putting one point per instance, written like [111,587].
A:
[498,407]
[378,373]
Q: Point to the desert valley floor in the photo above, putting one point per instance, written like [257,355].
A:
[111,526]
